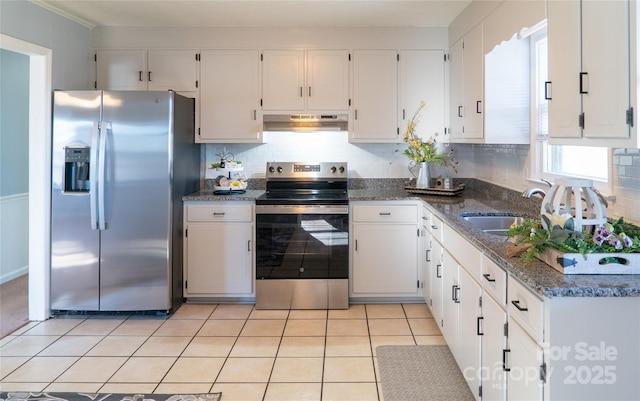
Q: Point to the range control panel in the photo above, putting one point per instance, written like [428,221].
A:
[315,170]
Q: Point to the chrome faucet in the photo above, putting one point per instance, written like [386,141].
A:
[529,192]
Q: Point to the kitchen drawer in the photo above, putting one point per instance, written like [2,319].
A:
[494,280]
[436,227]
[383,213]
[219,212]
[526,308]
[469,257]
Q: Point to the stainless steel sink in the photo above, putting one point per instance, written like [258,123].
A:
[496,225]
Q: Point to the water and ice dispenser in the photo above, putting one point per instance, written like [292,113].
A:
[76,169]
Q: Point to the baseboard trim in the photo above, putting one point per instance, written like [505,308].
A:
[14,274]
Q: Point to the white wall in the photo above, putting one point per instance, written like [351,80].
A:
[59,58]
[69,41]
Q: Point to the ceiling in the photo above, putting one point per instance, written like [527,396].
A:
[384,13]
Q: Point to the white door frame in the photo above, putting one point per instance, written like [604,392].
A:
[40,76]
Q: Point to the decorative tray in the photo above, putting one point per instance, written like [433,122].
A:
[436,191]
[228,191]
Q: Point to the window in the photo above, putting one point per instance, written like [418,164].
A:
[551,161]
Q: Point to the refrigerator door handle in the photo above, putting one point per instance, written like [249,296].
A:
[93,199]
[105,127]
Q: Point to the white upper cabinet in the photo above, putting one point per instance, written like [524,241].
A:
[328,80]
[230,97]
[589,73]
[137,69]
[374,116]
[421,79]
[467,82]
[172,70]
[283,80]
[315,80]
[121,70]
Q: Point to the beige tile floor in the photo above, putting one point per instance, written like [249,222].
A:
[247,354]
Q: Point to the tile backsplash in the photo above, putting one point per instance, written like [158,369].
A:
[503,165]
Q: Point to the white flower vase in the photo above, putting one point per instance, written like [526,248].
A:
[577,198]
[423,178]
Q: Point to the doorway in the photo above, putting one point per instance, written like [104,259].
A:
[39,171]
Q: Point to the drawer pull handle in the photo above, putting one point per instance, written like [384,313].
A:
[218,213]
[433,226]
[487,277]
[428,255]
[438,274]
[517,305]
[478,324]
[385,213]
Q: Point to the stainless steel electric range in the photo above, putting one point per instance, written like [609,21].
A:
[302,237]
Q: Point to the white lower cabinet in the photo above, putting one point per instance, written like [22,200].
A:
[218,250]
[531,348]
[525,366]
[384,249]
[494,343]
[469,338]
[450,304]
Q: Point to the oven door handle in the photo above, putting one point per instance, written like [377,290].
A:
[302,209]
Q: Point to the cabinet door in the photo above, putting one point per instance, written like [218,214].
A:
[494,342]
[426,265]
[456,84]
[375,97]
[450,304]
[421,79]
[437,279]
[283,80]
[605,61]
[473,84]
[327,80]
[219,259]
[469,337]
[172,70]
[385,259]
[230,96]
[121,70]
[525,359]
[563,32]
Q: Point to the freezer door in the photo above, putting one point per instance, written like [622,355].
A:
[75,239]
[135,253]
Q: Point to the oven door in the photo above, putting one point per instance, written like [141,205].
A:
[302,242]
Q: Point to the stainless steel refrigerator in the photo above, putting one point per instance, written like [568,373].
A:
[122,161]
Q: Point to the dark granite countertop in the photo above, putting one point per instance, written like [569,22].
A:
[208,195]
[480,197]
[488,199]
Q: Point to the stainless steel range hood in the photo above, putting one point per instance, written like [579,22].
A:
[305,122]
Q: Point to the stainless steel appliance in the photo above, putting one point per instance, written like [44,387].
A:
[121,162]
[302,237]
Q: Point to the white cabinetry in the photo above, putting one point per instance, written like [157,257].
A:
[421,78]
[589,73]
[384,244]
[494,344]
[230,97]
[218,250]
[526,370]
[317,82]
[374,116]
[388,86]
[139,69]
[328,80]
[467,80]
